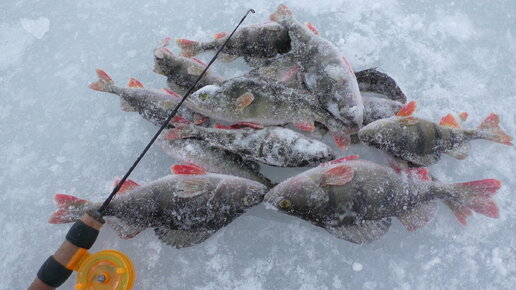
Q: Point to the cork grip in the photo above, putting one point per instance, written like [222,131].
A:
[58,267]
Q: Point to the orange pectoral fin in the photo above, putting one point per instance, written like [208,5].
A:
[339,175]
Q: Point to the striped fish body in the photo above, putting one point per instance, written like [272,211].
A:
[153,105]
[416,140]
[255,41]
[272,146]
[272,103]
[182,72]
[355,199]
[327,73]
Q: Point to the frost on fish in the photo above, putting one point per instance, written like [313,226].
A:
[184,209]
[268,103]
[252,42]
[355,199]
[422,142]
[153,105]
[374,81]
[272,146]
[213,159]
[182,72]
[327,73]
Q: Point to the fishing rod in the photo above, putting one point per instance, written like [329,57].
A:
[73,254]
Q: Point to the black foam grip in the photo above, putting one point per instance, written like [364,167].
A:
[82,235]
[53,273]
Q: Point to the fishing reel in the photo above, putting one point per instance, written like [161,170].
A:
[105,270]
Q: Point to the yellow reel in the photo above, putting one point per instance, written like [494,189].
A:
[105,270]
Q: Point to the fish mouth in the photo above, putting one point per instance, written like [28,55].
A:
[271,200]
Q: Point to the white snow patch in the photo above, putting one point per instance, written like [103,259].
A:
[13,43]
[357,267]
[37,27]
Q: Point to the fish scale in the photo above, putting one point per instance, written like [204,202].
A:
[194,204]
[355,199]
[421,142]
[273,146]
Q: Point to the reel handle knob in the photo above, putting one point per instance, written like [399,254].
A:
[58,267]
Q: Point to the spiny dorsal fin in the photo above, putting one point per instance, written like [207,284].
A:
[220,35]
[340,160]
[187,169]
[463,116]
[449,121]
[127,186]
[134,83]
[312,28]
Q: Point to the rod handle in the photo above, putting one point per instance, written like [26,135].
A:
[58,267]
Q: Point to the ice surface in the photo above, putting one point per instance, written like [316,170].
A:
[57,136]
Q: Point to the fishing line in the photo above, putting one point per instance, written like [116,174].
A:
[166,123]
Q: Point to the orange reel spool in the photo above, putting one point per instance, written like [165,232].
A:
[105,270]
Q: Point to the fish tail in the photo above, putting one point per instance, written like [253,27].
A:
[282,13]
[459,211]
[69,209]
[490,129]
[474,195]
[161,50]
[188,47]
[183,129]
[104,84]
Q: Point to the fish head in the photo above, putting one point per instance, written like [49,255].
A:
[240,192]
[205,99]
[300,196]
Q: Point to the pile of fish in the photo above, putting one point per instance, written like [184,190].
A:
[300,88]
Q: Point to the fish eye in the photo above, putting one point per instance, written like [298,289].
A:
[203,96]
[248,200]
[286,203]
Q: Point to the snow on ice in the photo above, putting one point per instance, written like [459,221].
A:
[57,136]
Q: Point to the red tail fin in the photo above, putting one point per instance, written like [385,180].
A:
[69,209]
[161,49]
[490,129]
[189,48]
[461,212]
[477,195]
[104,83]
[281,13]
